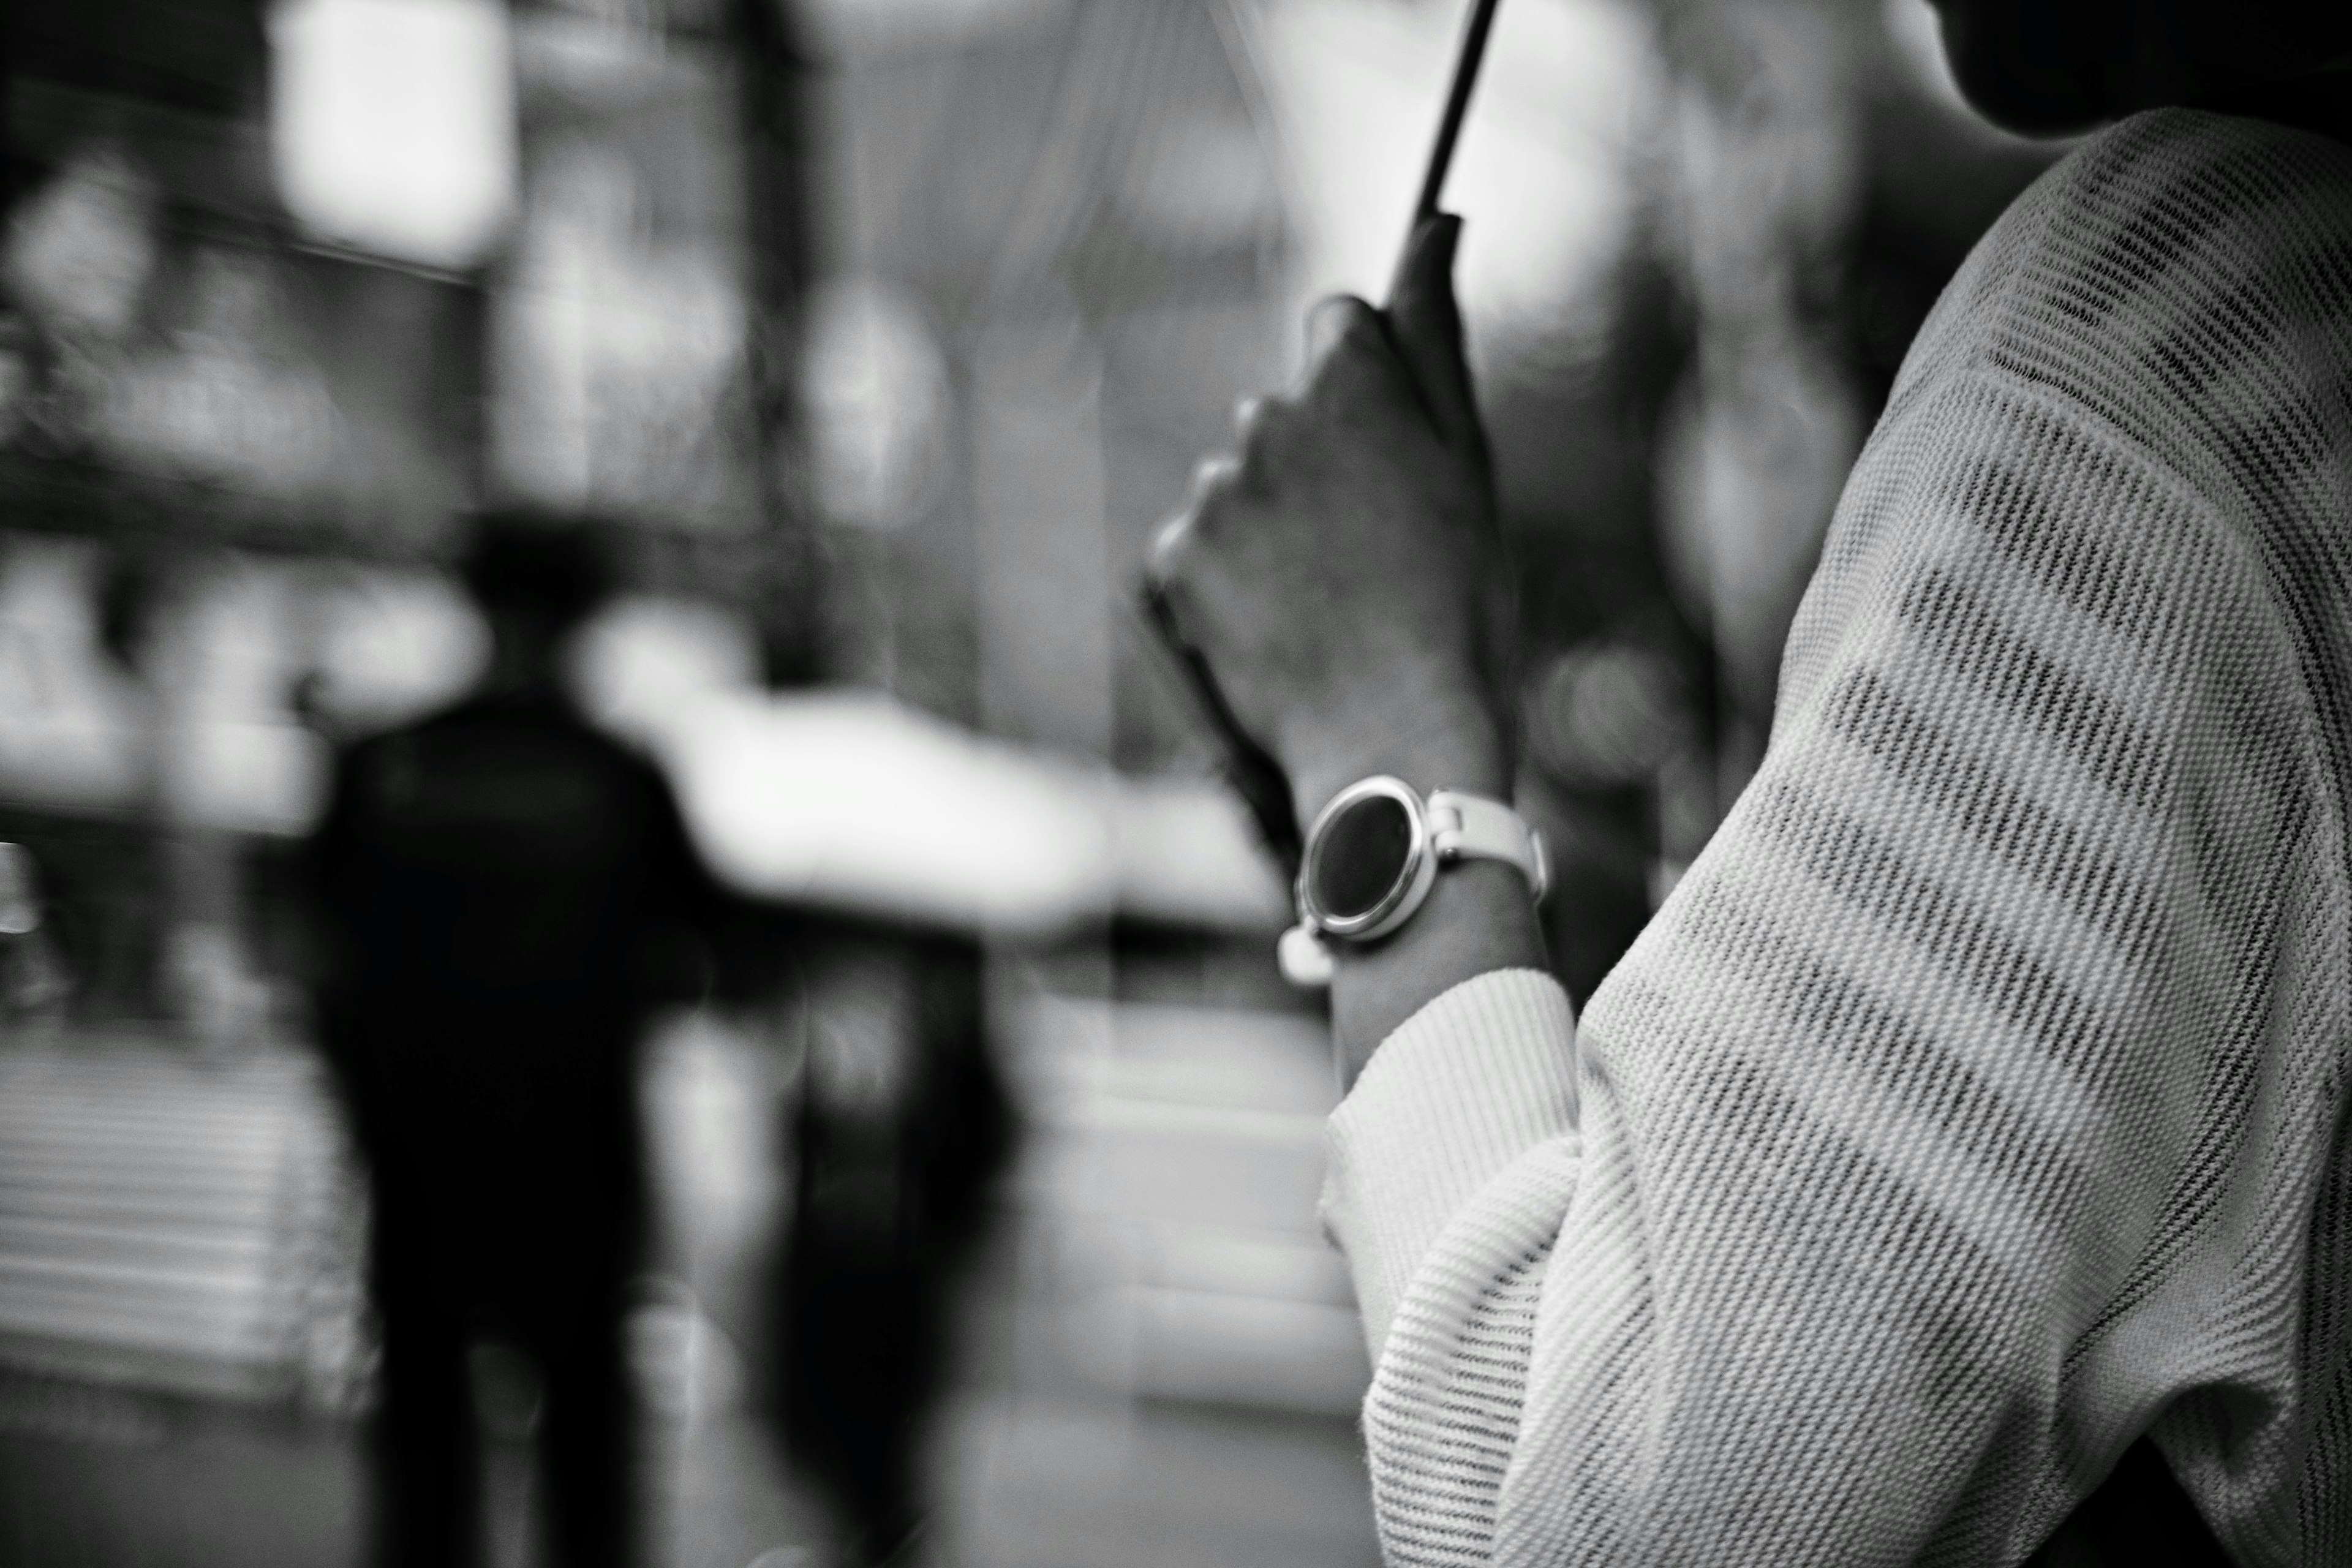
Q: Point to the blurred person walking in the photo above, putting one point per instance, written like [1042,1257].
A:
[903,1127]
[32,984]
[505,893]
[1958,1168]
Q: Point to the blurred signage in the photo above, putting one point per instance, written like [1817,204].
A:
[619,377]
[177,363]
[423,248]
[177,360]
[874,386]
[165,371]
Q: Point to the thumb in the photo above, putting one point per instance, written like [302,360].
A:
[1426,325]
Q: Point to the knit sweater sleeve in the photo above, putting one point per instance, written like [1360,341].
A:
[1958,1118]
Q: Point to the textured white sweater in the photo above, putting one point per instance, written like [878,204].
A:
[1976,1103]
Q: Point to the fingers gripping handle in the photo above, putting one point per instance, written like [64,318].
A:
[1422,318]
[1251,771]
[1467,61]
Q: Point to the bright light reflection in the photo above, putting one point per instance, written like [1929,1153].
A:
[393,123]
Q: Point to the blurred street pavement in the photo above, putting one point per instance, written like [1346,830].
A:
[1160,1366]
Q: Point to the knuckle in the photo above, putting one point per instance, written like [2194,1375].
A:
[1353,355]
[1343,320]
[1213,478]
[1253,419]
[1171,551]
[1333,311]
[1173,568]
[1191,546]
[1265,425]
[1359,326]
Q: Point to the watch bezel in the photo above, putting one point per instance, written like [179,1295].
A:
[1412,880]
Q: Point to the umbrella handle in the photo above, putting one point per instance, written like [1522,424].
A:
[1467,58]
[1251,771]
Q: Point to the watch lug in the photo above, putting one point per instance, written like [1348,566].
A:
[1305,958]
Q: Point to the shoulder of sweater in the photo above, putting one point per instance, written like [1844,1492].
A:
[2183,275]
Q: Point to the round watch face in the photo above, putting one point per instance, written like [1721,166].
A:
[1362,858]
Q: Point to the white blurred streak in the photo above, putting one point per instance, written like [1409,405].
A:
[1541,177]
[1185,852]
[390,646]
[392,124]
[75,733]
[234,757]
[252,775]
[835,800]
[68,719]
[850,800]
[644,657]
[846,799]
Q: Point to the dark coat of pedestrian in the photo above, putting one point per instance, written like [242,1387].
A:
[506,892]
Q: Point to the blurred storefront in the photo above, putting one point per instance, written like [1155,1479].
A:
[289,291]
[286,290]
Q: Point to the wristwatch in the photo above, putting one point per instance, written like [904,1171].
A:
[1373,853]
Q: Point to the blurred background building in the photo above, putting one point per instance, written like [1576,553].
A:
[885,332]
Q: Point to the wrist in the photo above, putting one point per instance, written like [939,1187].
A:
[1479,918]
[1465,753]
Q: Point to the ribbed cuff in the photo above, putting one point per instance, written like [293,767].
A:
[1479,1076]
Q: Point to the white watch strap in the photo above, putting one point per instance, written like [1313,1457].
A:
[1470,826]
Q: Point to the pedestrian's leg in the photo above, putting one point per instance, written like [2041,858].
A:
[427,1509]
[587,1435]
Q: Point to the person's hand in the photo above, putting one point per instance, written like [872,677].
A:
[1342,573]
